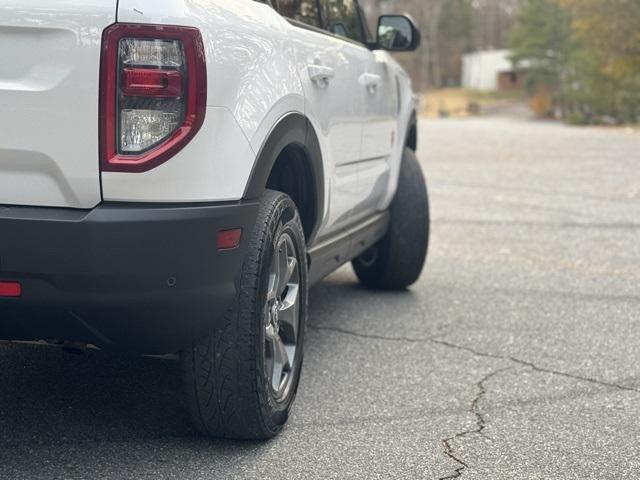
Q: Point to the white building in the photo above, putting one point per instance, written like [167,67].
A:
[483,70]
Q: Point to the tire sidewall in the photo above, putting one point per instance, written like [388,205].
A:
[285,220]
[402,252]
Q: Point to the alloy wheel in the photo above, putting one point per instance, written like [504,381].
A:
[282,317]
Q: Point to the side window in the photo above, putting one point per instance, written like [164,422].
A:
[305,11]
[342,17]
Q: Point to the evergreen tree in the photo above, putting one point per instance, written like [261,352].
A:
[541,42]
[586,53]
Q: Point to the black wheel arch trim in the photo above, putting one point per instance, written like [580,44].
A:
[411,137]
[291,129]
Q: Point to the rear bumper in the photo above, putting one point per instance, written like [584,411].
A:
[146,279]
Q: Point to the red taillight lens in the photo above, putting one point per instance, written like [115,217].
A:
[153,94]
[144,82]
[10,289]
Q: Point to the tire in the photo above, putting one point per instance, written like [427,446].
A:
[231,378]
[397,261]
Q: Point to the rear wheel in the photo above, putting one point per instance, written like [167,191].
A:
[241,380]
[396,262]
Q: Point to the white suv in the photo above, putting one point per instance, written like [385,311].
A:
[175,174]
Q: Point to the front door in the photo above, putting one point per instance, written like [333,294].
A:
[331,61]
[379,134]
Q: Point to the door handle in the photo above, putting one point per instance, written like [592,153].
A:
[371,81]
[321,75]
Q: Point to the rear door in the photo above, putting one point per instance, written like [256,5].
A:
[49,83]
[330,68]
[375,87]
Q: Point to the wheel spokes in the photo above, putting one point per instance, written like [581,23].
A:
[280,365]
[274,279]
[288,314]
[286,267]
[292,265]
[282,314]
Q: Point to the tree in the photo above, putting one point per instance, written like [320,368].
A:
[541,41]
[586,52]
[610,29]
[456,31]
[610,62]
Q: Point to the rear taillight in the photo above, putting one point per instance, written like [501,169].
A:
[10,289]
[153,94]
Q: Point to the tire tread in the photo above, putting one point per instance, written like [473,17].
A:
[403,250]
[221,372]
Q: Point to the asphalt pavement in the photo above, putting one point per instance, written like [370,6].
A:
[516,356]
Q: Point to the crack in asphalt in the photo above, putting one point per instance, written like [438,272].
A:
[533,366]
[480,419]
[478,353]
[480,426]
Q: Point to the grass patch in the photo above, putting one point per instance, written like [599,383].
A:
[458,102]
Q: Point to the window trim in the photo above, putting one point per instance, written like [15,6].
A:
[322,28]
[321,18]
[363,32]
[290,20]
[368,35]
[305,26]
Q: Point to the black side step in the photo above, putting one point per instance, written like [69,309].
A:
[346,245]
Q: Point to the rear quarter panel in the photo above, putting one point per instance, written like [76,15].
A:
[255,73]
[252,81]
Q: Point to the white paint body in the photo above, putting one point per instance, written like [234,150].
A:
[259,69]
[49,81]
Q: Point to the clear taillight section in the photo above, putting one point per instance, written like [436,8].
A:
[151,52]
[151,98]
[153,94]
[142,129]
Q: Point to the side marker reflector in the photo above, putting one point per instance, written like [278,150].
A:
[10,289]
[228,239]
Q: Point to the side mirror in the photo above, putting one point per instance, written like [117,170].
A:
[397,33]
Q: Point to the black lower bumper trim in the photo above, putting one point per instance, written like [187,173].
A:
[142,278]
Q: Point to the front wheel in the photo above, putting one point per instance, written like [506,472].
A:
[396,262]
[241,380]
